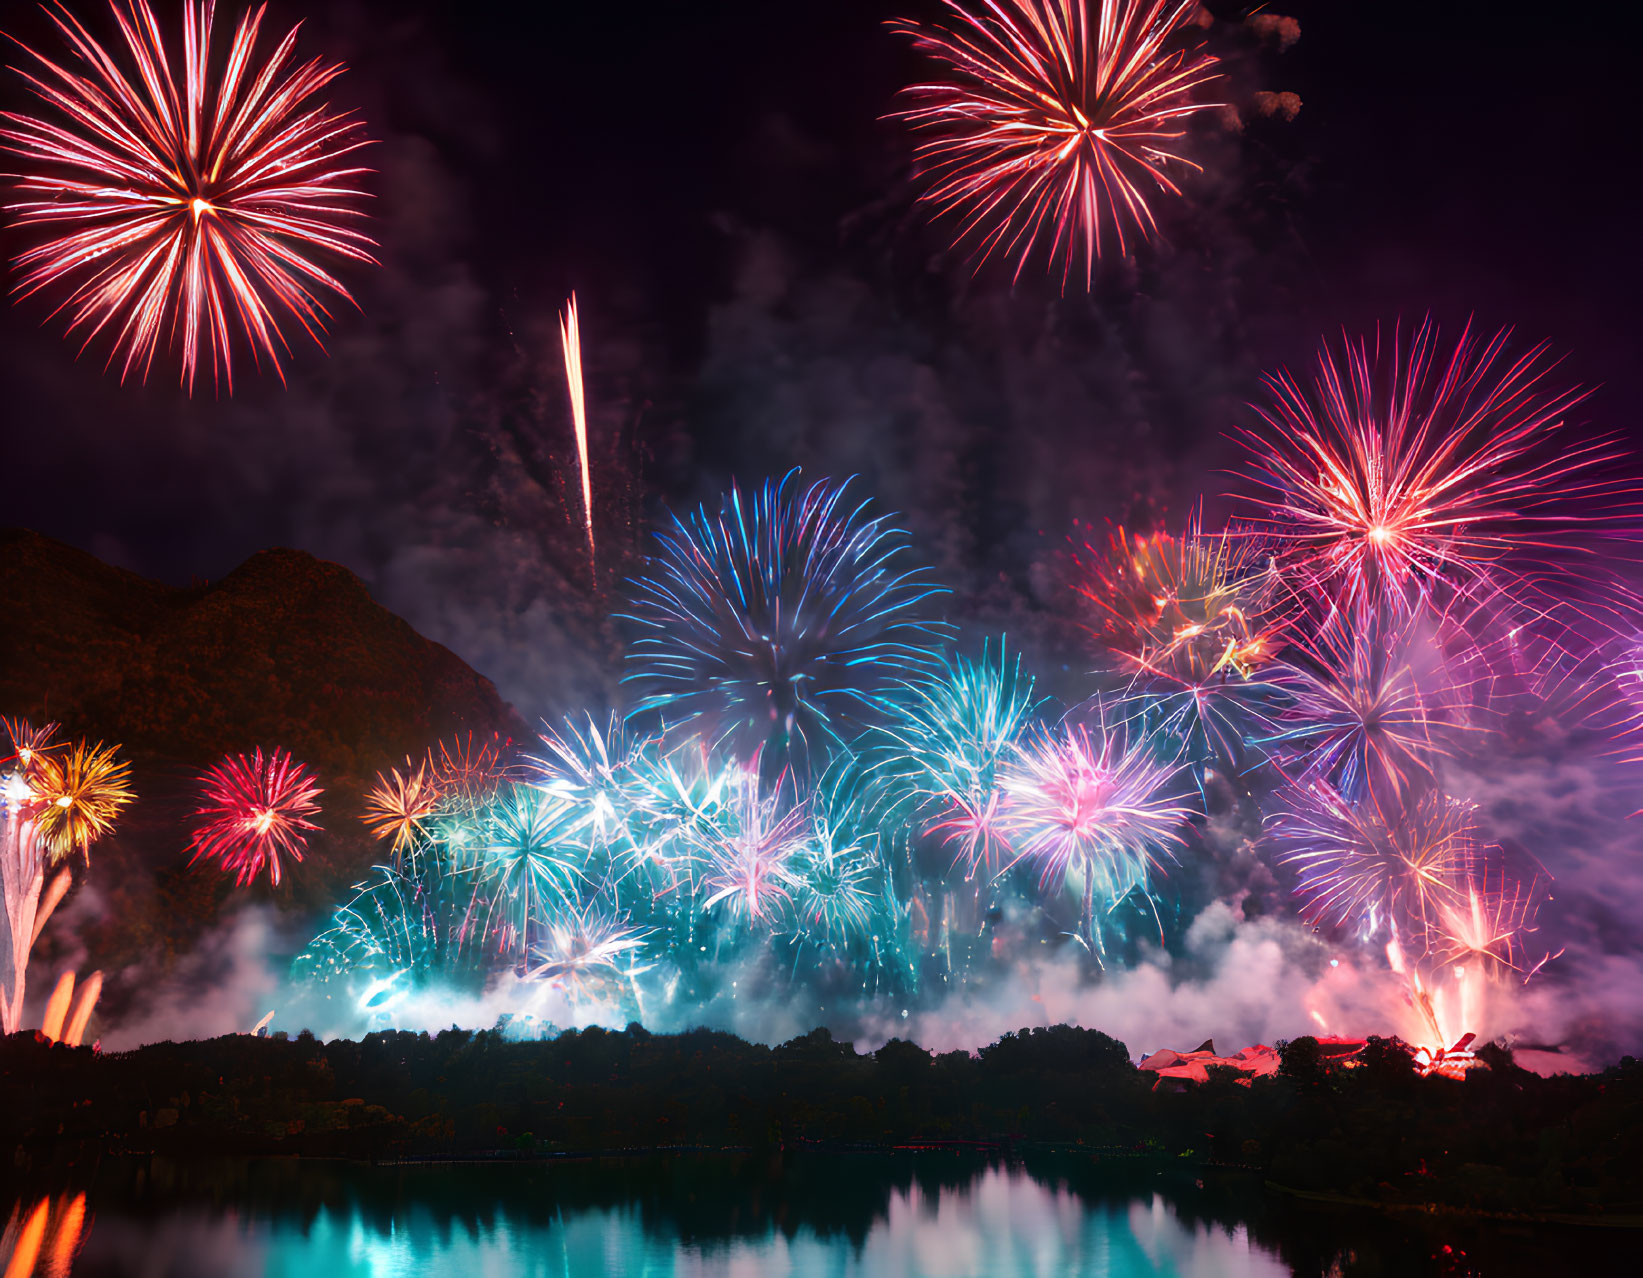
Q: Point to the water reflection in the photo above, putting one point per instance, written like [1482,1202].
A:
[843,1216]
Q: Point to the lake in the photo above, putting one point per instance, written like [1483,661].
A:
[904,1215]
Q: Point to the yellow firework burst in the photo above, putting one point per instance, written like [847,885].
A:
[400,802]
[79,793]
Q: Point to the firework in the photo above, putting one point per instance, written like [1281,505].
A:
[28,743]
[1368,706]
[1489,921]
[1052,124]
[570,337]
[529,860]
[407,923]
[400,804]
[592,767]
[255,811]
[185,199]
[581,942]
[1194,622]
[1368,866]
[466,770]
[61,799]
[1409,477]
[78,793]
[950,737]
[749,849]
[1096,805]
[778,625]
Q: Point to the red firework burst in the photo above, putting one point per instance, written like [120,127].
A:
[1402,478]
[1052,122]
[255,811]
[184,211]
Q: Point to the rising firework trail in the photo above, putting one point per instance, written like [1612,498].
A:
[183,201]
[1051,123]
[570,337]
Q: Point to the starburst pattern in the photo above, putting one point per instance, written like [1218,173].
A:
[400,805]
[778,625]
[581,941]
[1367,865]
[78,793]
[529,861]
[1368,706]
[1406,475]
[949,739]
[184,206]
[1055,120]
[254,813]
[749,850]
[1099,804]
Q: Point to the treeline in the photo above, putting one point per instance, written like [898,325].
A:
[1501,1139]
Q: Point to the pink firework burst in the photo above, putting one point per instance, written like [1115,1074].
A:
[255,811]
[1372,704]
[1053,121]
[750,850]
[1369,866]
[184,201]
[1099,804]
[1408,472]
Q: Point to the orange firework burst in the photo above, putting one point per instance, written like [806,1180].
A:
[1194,618]
[1052,122]
[400,802]
[78,793]
[467,770]
[28,743]
[184,209]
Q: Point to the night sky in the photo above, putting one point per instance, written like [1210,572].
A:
[718,183]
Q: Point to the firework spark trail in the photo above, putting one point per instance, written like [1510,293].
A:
[1415,478]
[255,811]
[1050,124]
[180,212]
[570,337]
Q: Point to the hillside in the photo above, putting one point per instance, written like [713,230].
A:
[287,650]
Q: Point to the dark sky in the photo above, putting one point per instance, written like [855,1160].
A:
[716,180]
